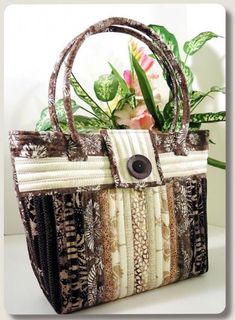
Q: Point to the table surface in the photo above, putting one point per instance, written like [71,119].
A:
[202,295]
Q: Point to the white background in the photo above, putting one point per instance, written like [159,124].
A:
[34,36]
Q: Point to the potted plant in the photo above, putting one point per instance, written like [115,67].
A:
[132,99]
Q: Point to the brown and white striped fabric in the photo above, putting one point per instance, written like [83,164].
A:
[94,237]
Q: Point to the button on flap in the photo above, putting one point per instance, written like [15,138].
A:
[134,160]
[139,166]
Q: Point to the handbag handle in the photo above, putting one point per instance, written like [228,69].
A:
[165,58]
[64,53]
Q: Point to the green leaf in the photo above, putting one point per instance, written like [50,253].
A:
[148,94]
[208,117]
[168,110]
[81,93]
[166,126]
[188,75]
[217,89]
[211,141]
[44,122]
[196,97]
[127,99]
[84,124]
[106,87]
[192,46]
[60,111]
[172,43]
[216,163]
[64,127]
[168,113]
[168,38]
[194,126]
[122,82]
[89,123]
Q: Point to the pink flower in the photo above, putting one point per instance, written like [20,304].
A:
[132,83]
[147,63]
[135,118]
[128,77]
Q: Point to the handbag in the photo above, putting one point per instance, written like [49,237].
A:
[112,213]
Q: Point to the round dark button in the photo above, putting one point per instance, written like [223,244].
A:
[139,166]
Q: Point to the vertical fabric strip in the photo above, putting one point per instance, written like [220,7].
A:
[47,246]
[158,236]
[98,245]
[173,234]
[80,281]
[71,246]
[203,224]
[198,234]
[141,254]
[107,239]
[121,242]
[182,197]
[90,247]
[62,252]
[28,215]
[129,241]
[117,272]
[165,235]
[37,204]
[51,251]
[150,214]
[31,228]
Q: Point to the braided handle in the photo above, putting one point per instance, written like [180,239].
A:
[148,36]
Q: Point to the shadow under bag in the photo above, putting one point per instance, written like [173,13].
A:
[98,227]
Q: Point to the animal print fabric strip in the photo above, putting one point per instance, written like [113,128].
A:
[71,250]
[93,247]
[173,234]
[191,225]
[107,245]
[165,235]
[98,247]
[140,240]
[198,229]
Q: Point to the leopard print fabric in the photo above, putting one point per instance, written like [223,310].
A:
[141,253]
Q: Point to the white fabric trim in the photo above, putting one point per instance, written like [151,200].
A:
[55,175]
[49,173]
[184,173]
[60,184]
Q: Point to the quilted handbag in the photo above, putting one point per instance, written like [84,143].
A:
[112,213]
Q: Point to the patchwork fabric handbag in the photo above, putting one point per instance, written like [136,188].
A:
[112,213]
